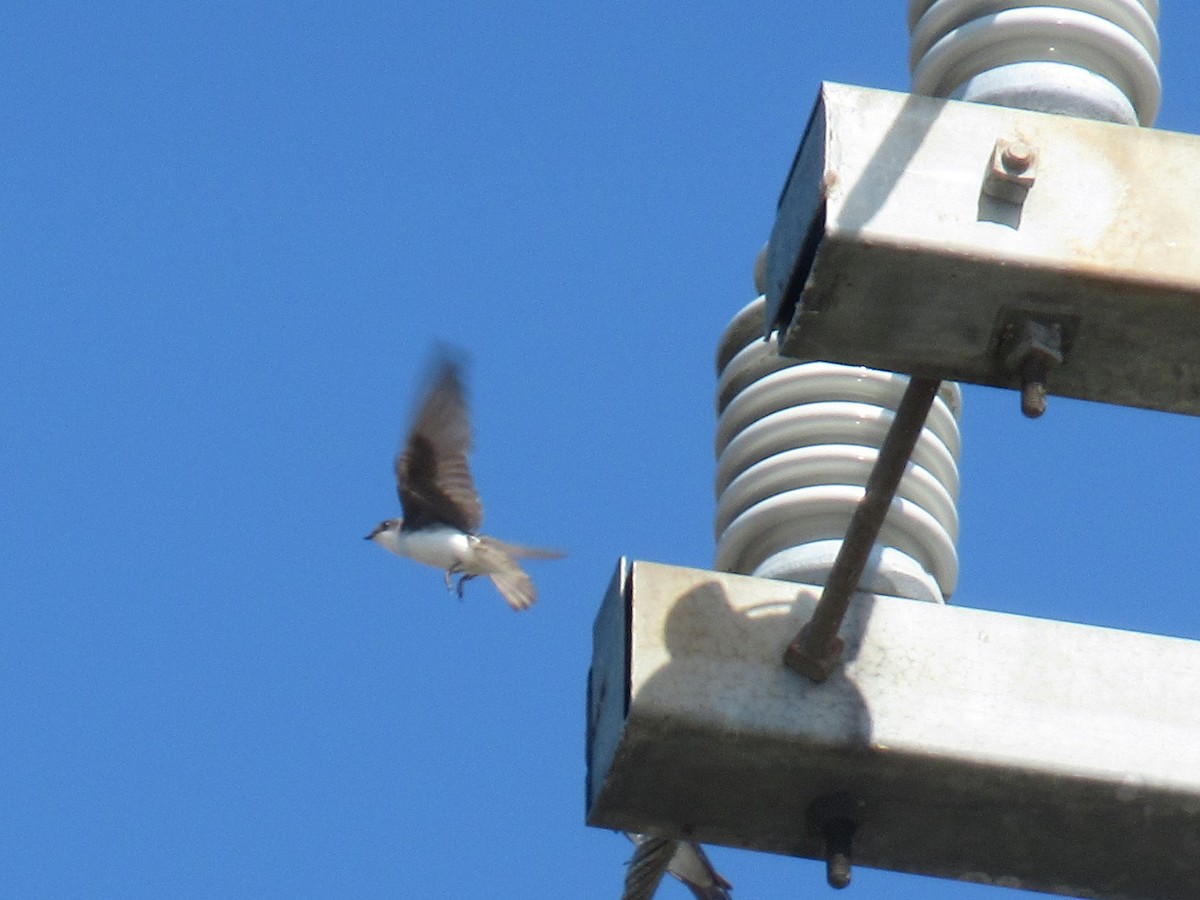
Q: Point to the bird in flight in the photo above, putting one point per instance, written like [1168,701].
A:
[441,508]
[686,860]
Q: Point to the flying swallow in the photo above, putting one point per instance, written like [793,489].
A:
[686,860]
[441,509]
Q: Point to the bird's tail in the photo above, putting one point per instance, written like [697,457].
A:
[513,582]
[516,587]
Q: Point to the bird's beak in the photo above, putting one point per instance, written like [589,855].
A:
[367,537]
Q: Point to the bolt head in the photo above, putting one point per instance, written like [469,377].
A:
[1017,156]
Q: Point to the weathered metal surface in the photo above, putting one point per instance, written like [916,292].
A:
[890,250]
[978,745]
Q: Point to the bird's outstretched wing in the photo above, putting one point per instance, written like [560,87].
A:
[432,475]
[687,861]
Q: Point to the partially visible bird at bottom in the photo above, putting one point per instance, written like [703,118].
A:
[686,860]
[441,509]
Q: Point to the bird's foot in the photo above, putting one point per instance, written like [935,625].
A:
[459,587]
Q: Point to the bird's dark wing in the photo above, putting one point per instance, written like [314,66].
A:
[432,475]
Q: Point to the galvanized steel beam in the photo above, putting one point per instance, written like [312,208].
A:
[973,745]
[931,236]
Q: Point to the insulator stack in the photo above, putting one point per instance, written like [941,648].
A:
[1097,59]
[796,442]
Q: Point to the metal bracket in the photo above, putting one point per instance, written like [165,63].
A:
[984,746]
[906,229]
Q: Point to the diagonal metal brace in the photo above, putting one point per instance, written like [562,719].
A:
[817,648]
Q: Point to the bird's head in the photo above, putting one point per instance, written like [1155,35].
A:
[385,533]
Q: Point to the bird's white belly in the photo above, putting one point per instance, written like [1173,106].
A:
[443,548]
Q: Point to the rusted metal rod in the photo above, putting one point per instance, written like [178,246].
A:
[817,648]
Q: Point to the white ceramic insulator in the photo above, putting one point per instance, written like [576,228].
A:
[1091,58]
[795,445]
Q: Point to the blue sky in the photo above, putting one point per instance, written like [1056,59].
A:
[231,235]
